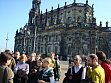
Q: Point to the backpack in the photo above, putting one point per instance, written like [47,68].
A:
[21,73]
[21,76]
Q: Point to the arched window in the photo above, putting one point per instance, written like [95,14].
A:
[56,37]
[42,39]
[49,38]
[80,19]
[69,20]
[56,49]
[29,49]
[69,50]
[42,49]
[49,49]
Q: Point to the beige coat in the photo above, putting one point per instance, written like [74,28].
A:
[9,74]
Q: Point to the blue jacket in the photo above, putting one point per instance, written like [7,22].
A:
[23,66]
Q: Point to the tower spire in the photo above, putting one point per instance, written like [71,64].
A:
[58,5]
[92,10]
[86,1]
[74,1]
[36,6]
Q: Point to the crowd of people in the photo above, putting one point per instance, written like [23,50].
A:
[32,68]
[97,69]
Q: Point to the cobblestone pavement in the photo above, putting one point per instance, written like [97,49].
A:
[64,66]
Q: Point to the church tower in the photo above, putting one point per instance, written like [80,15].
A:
[34,11]
[36,6]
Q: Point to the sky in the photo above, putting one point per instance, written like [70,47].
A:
[14,14]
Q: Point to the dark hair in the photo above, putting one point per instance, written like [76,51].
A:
[9,52]
[101,55]
[4,56]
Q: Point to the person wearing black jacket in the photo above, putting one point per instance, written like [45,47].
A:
[32,67]
[76,73]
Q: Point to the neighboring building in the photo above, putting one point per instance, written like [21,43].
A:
[67,30]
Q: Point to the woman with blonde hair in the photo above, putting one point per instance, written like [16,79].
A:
[47,74]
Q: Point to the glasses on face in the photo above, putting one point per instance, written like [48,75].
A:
[75,59]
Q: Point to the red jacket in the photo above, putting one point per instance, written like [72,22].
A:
[107,69]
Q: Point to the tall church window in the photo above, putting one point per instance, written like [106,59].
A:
[42,39]
[80,11]
[69,12]
[49,38]
[20,47]
[61,18]
[69,20]
[56,38]
[49,49]
[56,49]
[29,49]
[80,19]
[70,39]
[42,49]
[85,49]
[69,50]
[35,48]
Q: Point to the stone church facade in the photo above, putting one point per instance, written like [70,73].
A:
[67,30]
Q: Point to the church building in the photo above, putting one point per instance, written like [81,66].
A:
[67,30]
